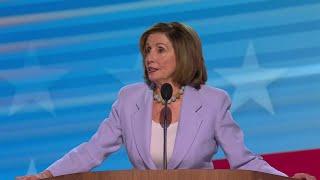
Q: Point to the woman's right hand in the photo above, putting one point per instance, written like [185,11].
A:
[42,175]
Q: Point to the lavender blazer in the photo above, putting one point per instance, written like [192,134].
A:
[205,123]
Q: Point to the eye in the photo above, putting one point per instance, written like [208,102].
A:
[147,50]
[161,49]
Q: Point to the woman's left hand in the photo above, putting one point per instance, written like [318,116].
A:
[303,176]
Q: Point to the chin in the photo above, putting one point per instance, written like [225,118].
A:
[153,78]
[158,80]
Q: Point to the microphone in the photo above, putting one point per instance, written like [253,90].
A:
[166,94]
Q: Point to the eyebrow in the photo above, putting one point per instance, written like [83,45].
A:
[158,44]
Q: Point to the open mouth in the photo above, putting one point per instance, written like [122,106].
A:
[152,69]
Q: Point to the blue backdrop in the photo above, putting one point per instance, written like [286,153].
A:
[63,62]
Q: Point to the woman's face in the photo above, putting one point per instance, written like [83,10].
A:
[160,59]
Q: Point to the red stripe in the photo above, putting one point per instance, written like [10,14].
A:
[307,161]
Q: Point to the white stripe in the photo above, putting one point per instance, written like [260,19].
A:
[292,72]
[252,20]
[56,15]
[70,102]
[43,43]
[201,24]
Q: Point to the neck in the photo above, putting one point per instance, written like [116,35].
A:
[176,94]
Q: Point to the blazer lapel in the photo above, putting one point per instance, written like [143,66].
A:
[188,126]
[141,125]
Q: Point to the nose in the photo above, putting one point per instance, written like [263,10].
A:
[150,57]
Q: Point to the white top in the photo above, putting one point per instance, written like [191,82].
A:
[156,145]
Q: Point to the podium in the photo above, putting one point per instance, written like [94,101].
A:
[181,174]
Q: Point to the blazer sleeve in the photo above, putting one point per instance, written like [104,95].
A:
[230,138]
[84,157]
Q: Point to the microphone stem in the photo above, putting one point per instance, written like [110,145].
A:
[165,124]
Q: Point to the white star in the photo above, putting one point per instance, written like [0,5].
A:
[128,75]
[31,84]
[251,81]
[32,168]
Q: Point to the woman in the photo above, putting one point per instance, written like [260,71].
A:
[200,116]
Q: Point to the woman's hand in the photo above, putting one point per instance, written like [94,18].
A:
[42,175]
[303,176]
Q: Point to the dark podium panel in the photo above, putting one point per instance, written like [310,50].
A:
[172,175]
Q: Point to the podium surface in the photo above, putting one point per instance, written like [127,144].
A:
[181,174]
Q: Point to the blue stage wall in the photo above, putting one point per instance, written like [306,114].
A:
[63,62]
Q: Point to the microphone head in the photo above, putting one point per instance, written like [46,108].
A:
[166,91]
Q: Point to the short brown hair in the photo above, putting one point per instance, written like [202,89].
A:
[190,69]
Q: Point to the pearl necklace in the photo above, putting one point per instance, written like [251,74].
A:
[159,99]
